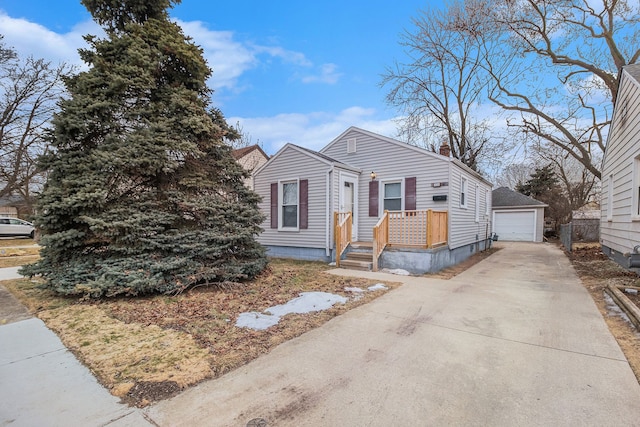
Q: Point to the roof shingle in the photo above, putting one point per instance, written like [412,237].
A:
[506,197]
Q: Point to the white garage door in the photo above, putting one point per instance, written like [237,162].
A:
[515,226]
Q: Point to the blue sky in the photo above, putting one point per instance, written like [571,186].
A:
[288,71]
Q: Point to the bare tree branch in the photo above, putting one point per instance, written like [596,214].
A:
[29,91]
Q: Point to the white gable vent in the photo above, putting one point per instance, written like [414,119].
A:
[351,145]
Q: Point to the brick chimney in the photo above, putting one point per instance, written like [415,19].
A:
[445,150]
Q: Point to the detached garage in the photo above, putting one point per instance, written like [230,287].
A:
[517,217]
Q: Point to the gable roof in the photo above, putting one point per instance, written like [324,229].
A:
[417,149]
[241,152]
[633,71]
[505,197]
[307,152]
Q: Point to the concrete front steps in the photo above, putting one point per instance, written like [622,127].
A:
[360,257]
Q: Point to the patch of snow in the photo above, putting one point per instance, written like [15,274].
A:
[631,291]
[613,309]
[307,302]
[377,287]
[354,290]
[257,321]
[396,271]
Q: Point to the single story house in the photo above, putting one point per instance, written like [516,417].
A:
[414,209]
[250,158]
[517,217]
[620,204]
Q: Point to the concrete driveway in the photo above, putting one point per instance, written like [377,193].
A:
[515,340]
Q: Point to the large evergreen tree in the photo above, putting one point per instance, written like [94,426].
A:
[544,185]
[143,195]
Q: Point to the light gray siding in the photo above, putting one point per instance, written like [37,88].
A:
[619,229]
[293,163]
[390,161]
[464,229]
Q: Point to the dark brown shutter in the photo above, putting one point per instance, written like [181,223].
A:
[373,198]
[410,194]
[304,203]
[274,205]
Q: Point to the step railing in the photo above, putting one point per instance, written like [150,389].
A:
[342,226]
[380,238]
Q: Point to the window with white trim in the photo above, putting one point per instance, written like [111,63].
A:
[392,196]
[635,207]
[463,193]
[289,204]
[610,198]
[351,145]
[477,203]
[487,201]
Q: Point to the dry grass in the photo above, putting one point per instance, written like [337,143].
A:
[5,242]
[17,260]
[138,346]
[17,252]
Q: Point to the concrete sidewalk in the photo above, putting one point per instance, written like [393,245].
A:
[514,341]
[42,383]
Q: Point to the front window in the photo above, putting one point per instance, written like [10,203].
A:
[289,204]
[463,193]
[392,196]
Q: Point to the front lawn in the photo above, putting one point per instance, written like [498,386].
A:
[150,348]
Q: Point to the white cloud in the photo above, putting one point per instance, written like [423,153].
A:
[313,130]
[327,75]
[287,56]
[31,39]
[229,57]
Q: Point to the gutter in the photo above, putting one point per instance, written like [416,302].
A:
[327,247]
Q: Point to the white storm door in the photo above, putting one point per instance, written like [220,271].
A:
[349,199]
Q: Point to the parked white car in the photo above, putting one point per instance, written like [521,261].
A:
[14,227]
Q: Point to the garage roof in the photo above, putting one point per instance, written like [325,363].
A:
[504,197]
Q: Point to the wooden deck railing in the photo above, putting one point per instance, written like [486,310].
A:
[421,229]
[342,226]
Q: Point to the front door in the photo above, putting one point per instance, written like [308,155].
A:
[349,199]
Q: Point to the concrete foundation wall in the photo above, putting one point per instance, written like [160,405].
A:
[420,261]
[623,259]
[415,261]
[307,254]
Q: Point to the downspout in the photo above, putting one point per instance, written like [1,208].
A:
[327,247]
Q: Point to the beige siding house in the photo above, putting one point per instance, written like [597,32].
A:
[250,158]
[620,204]
[371,176]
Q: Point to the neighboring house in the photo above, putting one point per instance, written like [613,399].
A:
[585,224]
[517,217]
[250,158]
[445,207]
[9,206]
[620,204]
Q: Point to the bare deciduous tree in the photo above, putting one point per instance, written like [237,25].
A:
[555,65]
[439,89]
[29,91]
